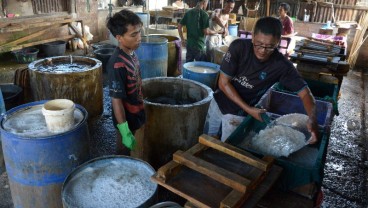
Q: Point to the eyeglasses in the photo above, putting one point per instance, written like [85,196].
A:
[260,47]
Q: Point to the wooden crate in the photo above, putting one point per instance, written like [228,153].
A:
[216,174]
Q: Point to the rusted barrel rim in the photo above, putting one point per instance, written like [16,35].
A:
[207,99]
[33,66]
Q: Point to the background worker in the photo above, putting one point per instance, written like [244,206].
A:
[180,4]
[218,23]
[125,83]
[196,21]
[287,22]
[248,70]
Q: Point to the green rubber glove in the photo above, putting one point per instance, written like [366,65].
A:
[128,137]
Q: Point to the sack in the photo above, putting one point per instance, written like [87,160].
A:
[247,23]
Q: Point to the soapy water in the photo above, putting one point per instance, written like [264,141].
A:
[110,184]
[64,68]
[202,69]
[30,123]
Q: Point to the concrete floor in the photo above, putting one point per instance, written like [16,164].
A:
[345,180]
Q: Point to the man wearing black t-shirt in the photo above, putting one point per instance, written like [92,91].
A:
[125,83]
[248,70]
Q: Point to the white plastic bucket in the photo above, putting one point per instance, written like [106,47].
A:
[59,115]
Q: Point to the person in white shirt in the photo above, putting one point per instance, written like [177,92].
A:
[180,4]
[219,24]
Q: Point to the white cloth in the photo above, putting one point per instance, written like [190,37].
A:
[212,41]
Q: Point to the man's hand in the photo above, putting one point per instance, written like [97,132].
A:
[256,113]
[127,136]
[313,129]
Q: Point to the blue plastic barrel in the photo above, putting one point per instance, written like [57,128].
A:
[2,111]
[2,104]
[145,18]
[203,72]
[233,30]
[37,166]
[153,55]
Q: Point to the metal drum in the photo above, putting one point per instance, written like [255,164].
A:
[38,161]
[110,181]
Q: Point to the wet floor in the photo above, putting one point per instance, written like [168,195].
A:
[345,179]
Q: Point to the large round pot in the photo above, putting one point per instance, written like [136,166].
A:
[76,78]
[110,181]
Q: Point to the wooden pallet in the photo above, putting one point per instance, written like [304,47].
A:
[216,174]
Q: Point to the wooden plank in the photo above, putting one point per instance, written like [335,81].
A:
[16,27]
[169,170]
[219,174]
[172,168]
[233,199]
[234,152]
[41,42]
[190,198]
[26,38]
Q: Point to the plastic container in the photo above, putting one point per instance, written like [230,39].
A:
[280,103]
[2,111]
[321,91]
[104,54]
[233,30]
[145,18]
[203,72]
[298,169]
[153,55]
[174,54]
[59,115]
[12,95]
[38,164]
[219,53]
[56,48]
[26,55]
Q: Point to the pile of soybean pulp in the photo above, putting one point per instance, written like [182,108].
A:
[282,137]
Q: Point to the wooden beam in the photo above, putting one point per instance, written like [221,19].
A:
[234,152]
[219,174]
[16,27]
[67,37]
[172,168]
[6,46]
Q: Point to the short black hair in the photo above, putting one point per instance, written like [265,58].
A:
[230,1]
[118,23]
[268,26]
[285,6]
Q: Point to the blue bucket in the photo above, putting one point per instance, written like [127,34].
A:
[38,165]
[153,55]
[203,72]
[233,30]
